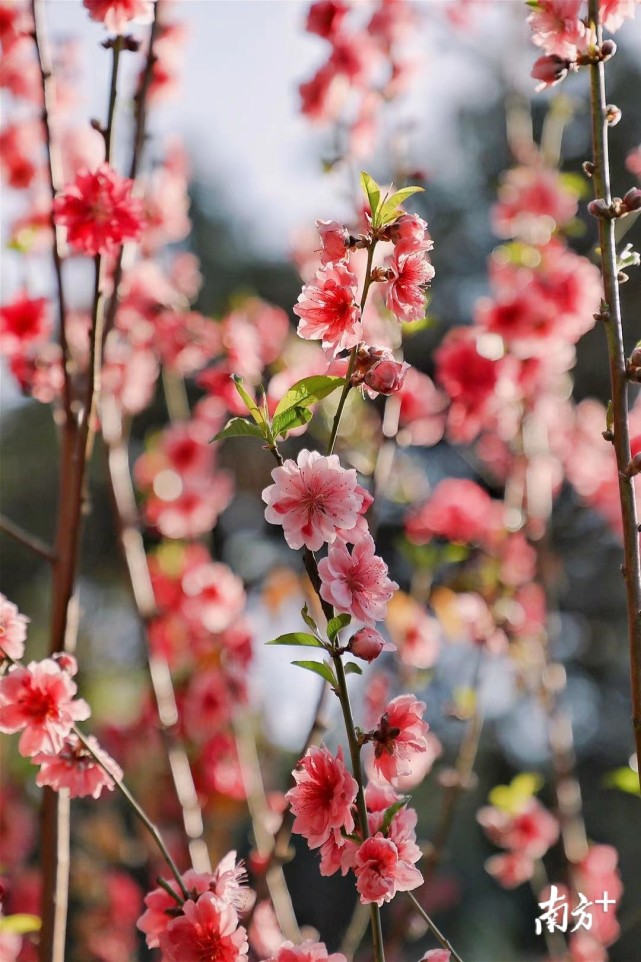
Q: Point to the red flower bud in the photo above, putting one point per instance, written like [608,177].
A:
[368,644]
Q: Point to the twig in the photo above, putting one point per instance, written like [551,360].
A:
[131,542]
[55,173]
[140,812]
[438,935]
[29,541]
[614,334]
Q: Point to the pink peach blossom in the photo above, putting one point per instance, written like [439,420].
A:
[13,630]
[24,321]
[405,292]
[357,583]
[323,796]
[328,310]
[557,28]
[399,737]
[313,498]
[206,930]
[334,239]
[458,510]
[75,768]
[531,831]
[39,701]
[510,869]
[99,212]
[116,14]
[381,873]
[305,952]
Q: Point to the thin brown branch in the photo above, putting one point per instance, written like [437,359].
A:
[132,545]
[611,317]
[55,174]
[438,935]
[29,541]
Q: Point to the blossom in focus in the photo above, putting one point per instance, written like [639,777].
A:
[399,737]
[74,767]
[356,583]
[313,498]
[381,873]
[99,212]
[404,292]
[323,796]
[116,14]
[205,930]
[328,310]
[549,71]
[38,700]
[24,321]
[13,630]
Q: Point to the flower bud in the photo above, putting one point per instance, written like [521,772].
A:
[334,239]
[67,662]
[608,49]
[378,370]
[368,644]
[599,208]
[549,70]
[634,467]
[632,200]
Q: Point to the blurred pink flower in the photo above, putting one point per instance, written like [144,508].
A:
[99,212]
[13,629]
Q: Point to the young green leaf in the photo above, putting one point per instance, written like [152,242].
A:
[625,779]
[373,194]
[297,638]
[248,400]
[351,668]
[391,812]
[307,618]
[336,624]
[319,668]
[237,428]
[308,391]
[290,419]
[390,209]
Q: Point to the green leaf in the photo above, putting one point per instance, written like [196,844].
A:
[239,427]
[20,924]
[336,624]
[297,638]
[307,618]
[625,779]
[308,391]
[373,193]
[290,419]
[391,812]
[351,668]
[248,400]
[319,668]
[390,209]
